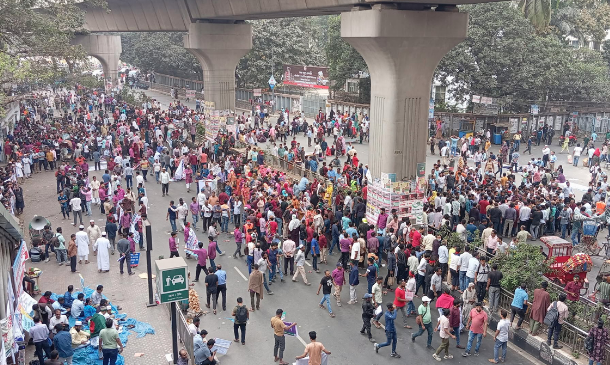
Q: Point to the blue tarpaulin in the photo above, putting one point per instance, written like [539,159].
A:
[88,355]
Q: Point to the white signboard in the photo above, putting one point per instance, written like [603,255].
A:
[514,125]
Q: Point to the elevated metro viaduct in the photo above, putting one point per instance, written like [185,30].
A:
[402,42]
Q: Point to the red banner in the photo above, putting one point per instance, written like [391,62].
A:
[306,76]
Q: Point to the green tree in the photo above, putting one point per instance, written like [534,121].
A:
[294,41]
[505,58]
[344,61]
[586,20]
[160,52]
[35,45]
[538,12]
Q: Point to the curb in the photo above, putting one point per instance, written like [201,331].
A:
[536,347]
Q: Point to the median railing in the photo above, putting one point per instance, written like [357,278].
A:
[571,336]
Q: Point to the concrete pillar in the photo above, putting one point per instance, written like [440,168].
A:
[402,49]
[107,49]
[219,47]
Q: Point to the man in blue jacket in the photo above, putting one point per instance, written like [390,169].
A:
[390,331]
[68,299]
[63,344]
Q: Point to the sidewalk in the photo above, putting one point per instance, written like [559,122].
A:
[536,345]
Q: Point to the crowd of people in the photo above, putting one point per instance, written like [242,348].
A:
[280,221]
[95,324]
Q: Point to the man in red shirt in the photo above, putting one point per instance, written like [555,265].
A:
[478,328]
[415,236]
[309,231]
[46,298]
[483,203]
[400,302]
[323,242]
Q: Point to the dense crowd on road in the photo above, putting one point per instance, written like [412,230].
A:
[281,222]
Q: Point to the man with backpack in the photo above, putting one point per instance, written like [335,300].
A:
[242,315]
[554,319]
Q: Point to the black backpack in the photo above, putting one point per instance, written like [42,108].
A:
[552,316]
[302,232]
[241,314]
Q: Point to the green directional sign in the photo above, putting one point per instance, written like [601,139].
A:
[172,279]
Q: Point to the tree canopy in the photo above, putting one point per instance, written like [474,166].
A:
[35,38]
[505,58]
[293,41]
[160,52]
[344,61]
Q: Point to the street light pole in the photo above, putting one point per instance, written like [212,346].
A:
[147,230]
[272,89]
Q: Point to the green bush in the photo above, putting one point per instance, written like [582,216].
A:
[523,264]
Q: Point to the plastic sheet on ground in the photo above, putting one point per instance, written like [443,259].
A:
[88,355]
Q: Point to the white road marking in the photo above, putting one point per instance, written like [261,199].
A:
[308,264]
[302,341]
[240,274]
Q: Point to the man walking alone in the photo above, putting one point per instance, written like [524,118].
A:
[279,327]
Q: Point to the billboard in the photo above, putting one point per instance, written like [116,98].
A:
[307,76]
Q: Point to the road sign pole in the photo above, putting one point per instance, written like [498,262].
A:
[174,332]
[273,88]
[151,297]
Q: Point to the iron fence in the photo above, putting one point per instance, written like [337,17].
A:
[184,336]
[571,336]
[295,169]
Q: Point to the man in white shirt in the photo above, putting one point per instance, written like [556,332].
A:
[75,204]
[165,178]
[463,267]
[58,318]
[421,273]
[348,202]
[524,215]
[443,257]
[501,337]
[461,230]
[288,247]
[356,252]
[428,241]
[473,267]
[576,154]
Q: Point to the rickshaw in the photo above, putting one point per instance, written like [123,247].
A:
[589,244]
[564,265]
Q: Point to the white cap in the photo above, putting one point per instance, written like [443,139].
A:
[93,220]
[109,308]
[426,299]
[81,227]
[78,323]
[103,233]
